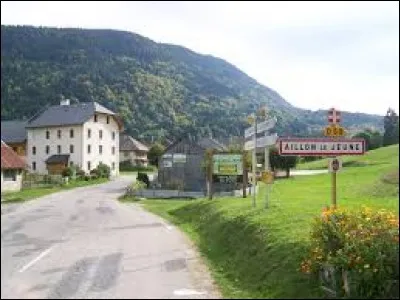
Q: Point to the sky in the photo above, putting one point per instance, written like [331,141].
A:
[316,55]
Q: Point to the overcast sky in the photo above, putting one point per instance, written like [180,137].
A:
[315,54]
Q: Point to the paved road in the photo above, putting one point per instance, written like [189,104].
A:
[83,244]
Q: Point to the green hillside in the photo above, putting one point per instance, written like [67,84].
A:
[256,253]
[160,90]
[382,156]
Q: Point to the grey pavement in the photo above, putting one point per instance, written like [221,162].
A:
[82,243]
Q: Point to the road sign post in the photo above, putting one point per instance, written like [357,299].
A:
[254,162]
[332,147]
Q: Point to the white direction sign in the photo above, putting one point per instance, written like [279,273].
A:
[261,127]
[321,146]
[263,141]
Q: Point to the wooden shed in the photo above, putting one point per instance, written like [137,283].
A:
[182,164]
[57,163]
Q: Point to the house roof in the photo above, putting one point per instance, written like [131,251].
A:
[128,143]
[210,143]
[73,114]
[13,131]
[203,143]
[57,159]
[10,159]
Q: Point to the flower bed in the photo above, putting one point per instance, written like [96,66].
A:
[355,254]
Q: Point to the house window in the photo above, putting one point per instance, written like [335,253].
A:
[95,118]
[88,149]
[59,134]
[58,149]
[88,165]
[126,154]
[100,149]
[47,149]
[71,148]
[47,134]
[33,150]
[113,135]
[113,150]
[71,133]
[108,119]
[100,134]
[113,165]
[10,175]
[34,166]
[89,133]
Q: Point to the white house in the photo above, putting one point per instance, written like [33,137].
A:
[82,134]
[12,166]
[132,150]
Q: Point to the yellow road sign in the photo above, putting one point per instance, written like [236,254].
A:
[334,130]
[267,177]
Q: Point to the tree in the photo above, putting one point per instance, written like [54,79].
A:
[391,125]
[155,152]
[373,139]
[279,162]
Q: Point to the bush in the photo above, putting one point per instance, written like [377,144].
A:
[143,177]
[68,172]
[103,170]
[128,167]
[356,253]
[94,173]
[80,173]
[86,177]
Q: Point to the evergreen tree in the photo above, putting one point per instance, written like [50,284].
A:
[391,125]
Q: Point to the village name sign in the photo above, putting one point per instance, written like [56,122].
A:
[332,145]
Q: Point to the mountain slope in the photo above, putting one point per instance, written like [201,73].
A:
[160,90]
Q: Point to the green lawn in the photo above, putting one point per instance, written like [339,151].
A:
[382,155]
[255,253]
[32,193]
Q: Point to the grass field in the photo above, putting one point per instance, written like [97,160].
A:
[33,193]
[379,156]
[255,253]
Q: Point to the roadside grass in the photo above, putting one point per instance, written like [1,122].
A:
[33,193]
[380,156]
[256,253]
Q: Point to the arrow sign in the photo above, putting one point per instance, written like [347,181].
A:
[261,127]
[264,141]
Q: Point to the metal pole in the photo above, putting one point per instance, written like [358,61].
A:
[245,184]
[254,161]
[334,189]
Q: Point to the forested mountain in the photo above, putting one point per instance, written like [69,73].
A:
[159,90]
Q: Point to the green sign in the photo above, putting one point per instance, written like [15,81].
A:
[227,164]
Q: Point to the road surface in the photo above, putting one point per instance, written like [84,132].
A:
[82,243]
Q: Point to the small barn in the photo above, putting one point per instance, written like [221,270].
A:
[12,167]
[57,163]
[182,165]
[132,151]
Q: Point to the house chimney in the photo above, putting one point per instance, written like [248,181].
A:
[64,102]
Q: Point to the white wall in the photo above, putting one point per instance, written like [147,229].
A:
[107,142]
[7,186]
[132,156]
[37,137]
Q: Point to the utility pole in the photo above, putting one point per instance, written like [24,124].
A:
[255,161]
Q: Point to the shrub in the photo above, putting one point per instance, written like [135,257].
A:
[80,174]
[94,173]
[67,172]
[128,167]
[86,177]
[143,177]
[103,170]
[356,253]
